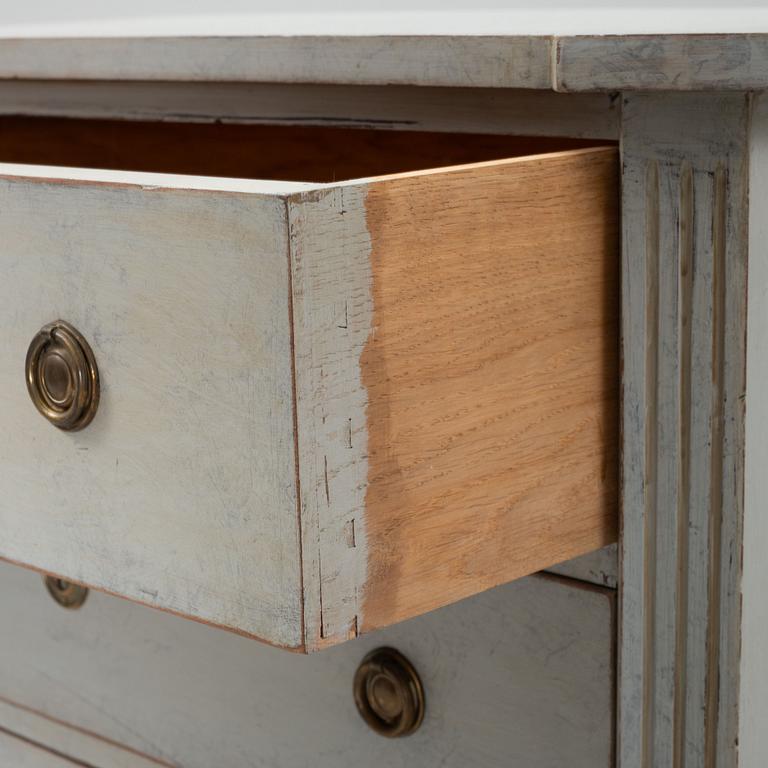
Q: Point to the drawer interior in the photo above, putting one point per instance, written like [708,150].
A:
[287,153]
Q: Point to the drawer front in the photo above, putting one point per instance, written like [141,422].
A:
[324,409]
[21,754]
[521,676]
[181,492]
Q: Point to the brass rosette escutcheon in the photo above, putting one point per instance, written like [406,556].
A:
[62,376]
[65,593]
[388,693]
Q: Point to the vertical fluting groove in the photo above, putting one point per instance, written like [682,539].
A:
[719,224]
[685,321]
[652,239]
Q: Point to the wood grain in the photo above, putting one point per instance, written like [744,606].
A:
[492,377]
[457,391]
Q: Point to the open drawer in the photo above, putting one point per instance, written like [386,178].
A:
[325,405]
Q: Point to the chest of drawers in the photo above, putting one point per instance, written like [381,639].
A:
[381,323]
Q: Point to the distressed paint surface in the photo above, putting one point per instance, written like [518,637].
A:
[598,567]
[389,60]
[548,61]
[61,741]
[21,754]
[684,296]
[662,63]
[391,107]
[332,311]
[181,493]
[519,676]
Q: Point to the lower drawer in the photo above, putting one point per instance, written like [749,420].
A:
[522,675]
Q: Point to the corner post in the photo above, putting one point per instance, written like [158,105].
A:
[685,179]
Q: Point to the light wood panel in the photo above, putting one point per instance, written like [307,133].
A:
[492,377]
[457,392]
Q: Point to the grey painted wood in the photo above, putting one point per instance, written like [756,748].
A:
[181,493]
[19,753]
[599,567]
[662,62]
[489,62]
[547,61]
[58,741]
[520,676]
[753,700]
[684,296]
[466,110]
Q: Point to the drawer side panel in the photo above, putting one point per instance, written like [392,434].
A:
[457,370]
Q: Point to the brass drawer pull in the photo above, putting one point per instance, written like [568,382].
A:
[65,593]
[388,693]
[62,376]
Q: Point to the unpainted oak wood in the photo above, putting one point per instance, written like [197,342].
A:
[520,676]
[457,392]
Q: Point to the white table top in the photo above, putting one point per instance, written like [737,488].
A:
[492,17]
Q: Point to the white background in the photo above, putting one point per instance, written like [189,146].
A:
[238,17]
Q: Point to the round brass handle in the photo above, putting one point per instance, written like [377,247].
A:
[62,377]
[65,593]
[388,693]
